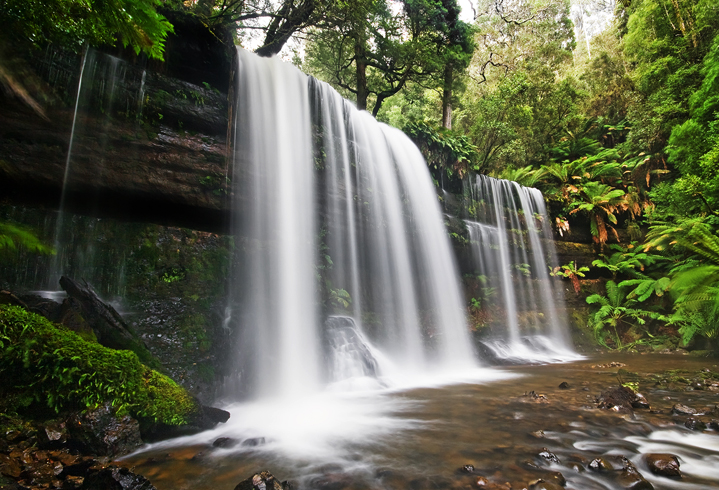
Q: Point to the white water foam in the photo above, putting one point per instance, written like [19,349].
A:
[329,426]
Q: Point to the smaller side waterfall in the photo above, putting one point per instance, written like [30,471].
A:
[103,84]
[512,249]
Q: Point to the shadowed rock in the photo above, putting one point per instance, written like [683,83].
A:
[116,478]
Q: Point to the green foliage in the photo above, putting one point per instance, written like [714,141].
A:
[617,313]
[173,275]
[695,281]
[370,51]
[48,365]
[14,236]
[630,261]
[694,145]
[340,298]
[570,271]
[444,148]
[71,23]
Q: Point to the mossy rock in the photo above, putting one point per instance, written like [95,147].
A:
[49,368]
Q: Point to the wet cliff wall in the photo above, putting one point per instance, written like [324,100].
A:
[148,138]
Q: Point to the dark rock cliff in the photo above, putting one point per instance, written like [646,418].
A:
[149,138]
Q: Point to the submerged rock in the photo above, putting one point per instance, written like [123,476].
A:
[631,479]
[262,481]
[564,385]
[254,442]
[541,484]
[467,468]
[663,464]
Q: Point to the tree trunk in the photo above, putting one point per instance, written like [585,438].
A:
[290,19]
[361,69]
[447,96]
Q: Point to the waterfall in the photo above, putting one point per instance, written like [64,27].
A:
[335,215]
[97,87]
[512,248]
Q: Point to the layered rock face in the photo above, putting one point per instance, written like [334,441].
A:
[146,141]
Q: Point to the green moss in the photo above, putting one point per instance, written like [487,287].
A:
[47,366]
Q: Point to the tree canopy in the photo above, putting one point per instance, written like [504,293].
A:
[72,23]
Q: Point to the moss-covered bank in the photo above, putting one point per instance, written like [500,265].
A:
[48,369]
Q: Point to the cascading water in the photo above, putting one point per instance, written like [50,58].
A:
[337,215]
[100,75]
[512,247]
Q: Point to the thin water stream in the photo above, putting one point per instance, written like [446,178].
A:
[420,437]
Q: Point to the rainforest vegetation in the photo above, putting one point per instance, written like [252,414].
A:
[618,125]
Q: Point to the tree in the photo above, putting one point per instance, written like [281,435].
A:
[370,52]
[519,100]
[453,42]
[278,20]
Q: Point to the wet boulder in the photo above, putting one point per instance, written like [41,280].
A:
[680,409]
[54,434]
[204,418]
[225,442]
[600,464]
[106,323]
[549,456]
[10,467]
[209,417]
[101,431]
[622,471]
[262,481]
[115,478]
[693,423]
[621,398]
[609,463]
[640,402]
[663,464]
[39,473]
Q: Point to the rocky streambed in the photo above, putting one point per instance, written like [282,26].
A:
[578,425]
